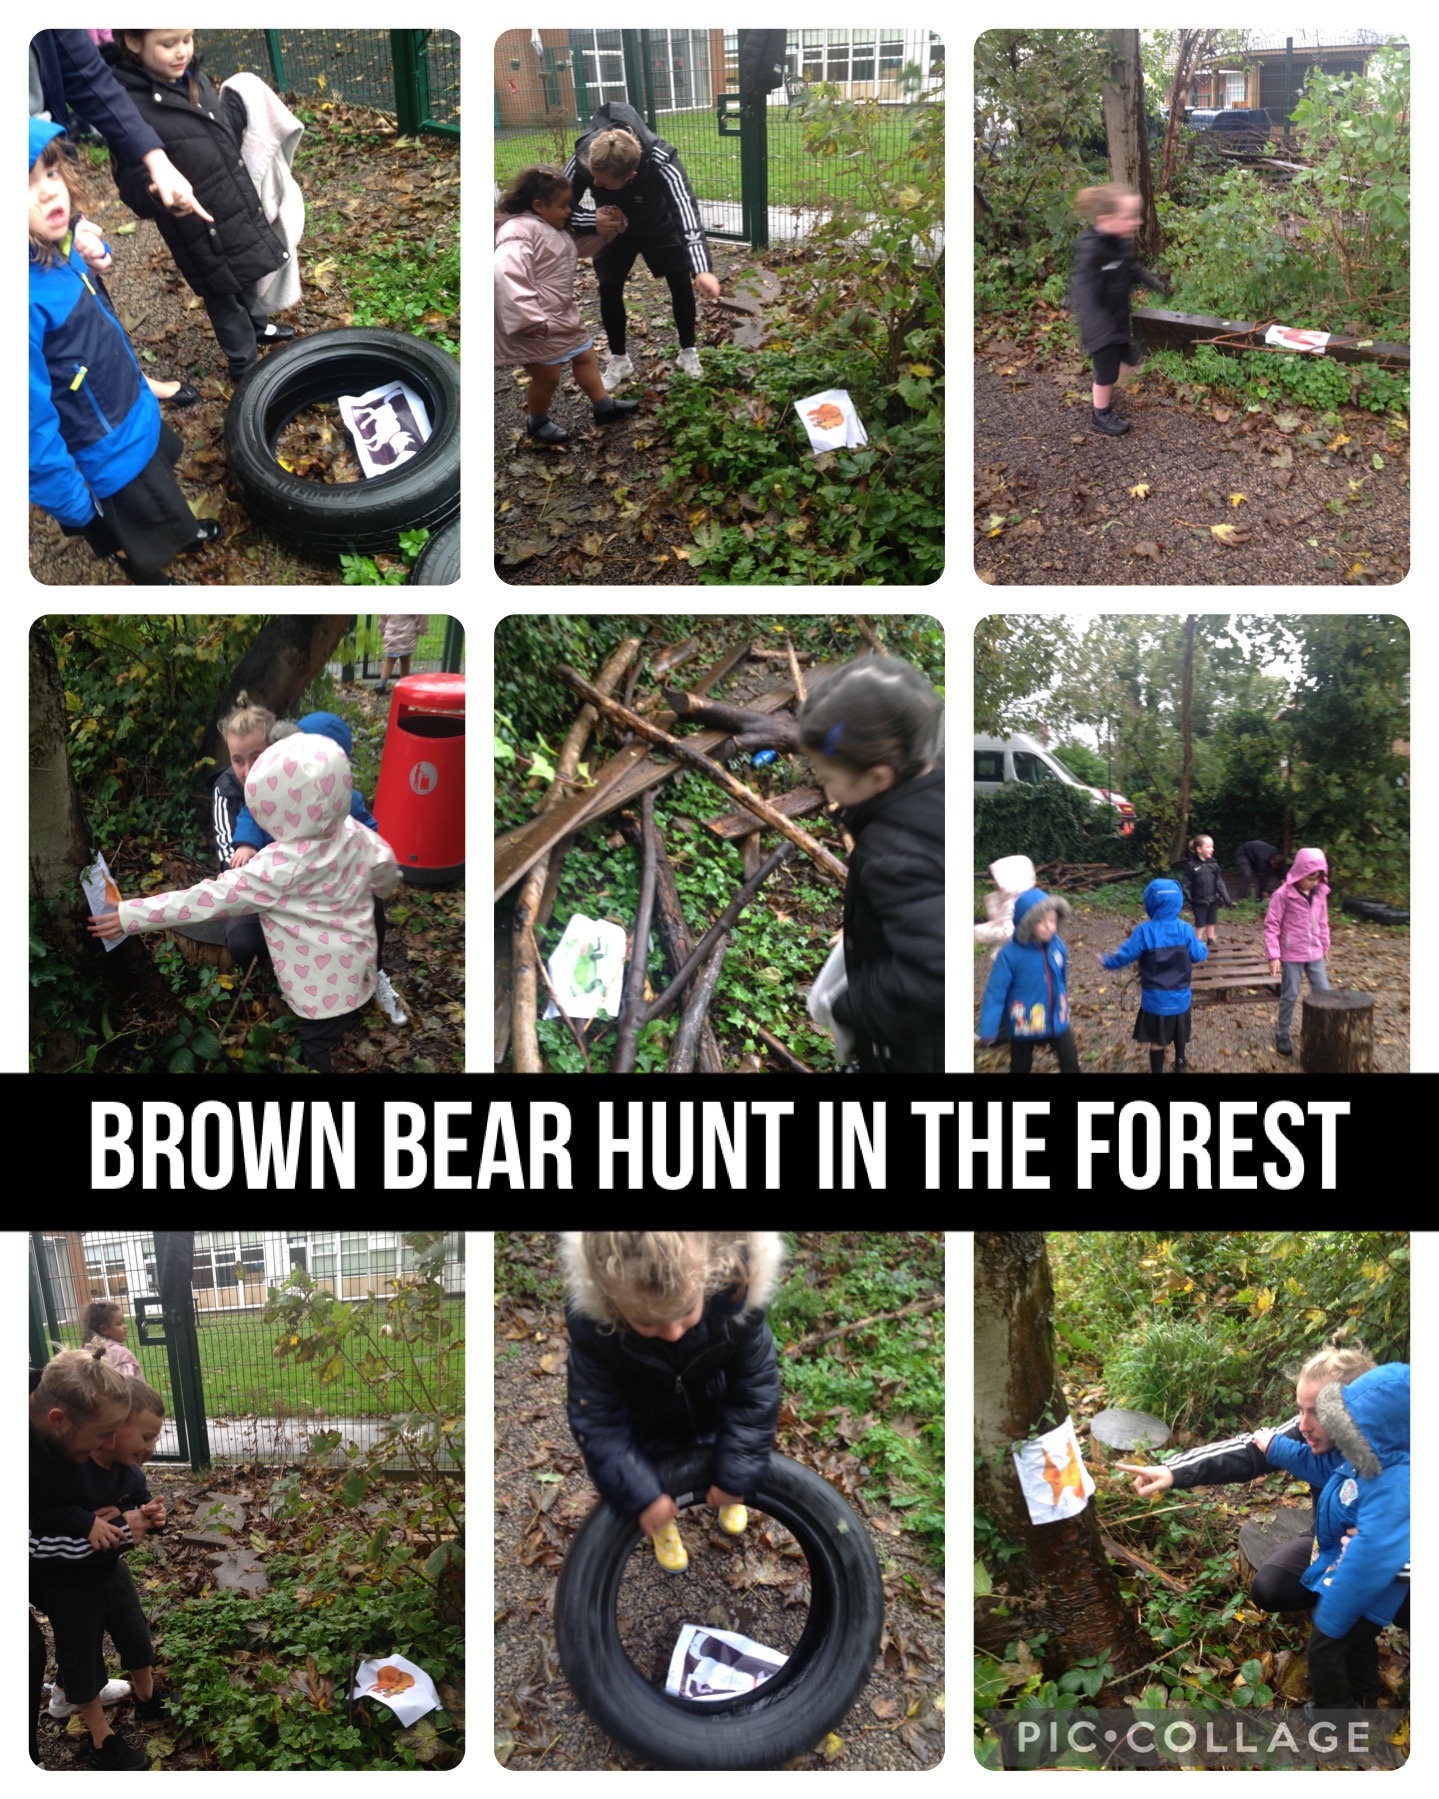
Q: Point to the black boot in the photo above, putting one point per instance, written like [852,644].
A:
[545,432]
[610,411]
[1108,422]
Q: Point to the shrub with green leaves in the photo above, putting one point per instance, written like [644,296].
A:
[1044,821]
[1177,1370]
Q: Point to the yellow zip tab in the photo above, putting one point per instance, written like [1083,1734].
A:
[74,385]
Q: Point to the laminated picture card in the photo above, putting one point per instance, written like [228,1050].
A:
[1052,1475]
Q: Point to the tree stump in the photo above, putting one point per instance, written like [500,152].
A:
[1338,1033]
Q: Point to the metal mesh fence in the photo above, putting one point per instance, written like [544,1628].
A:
[256,1405]
[337,65]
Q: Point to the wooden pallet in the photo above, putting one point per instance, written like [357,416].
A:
[1234,971]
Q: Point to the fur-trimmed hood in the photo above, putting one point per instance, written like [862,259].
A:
[761,1251]
[1369,1419]
[1030,907]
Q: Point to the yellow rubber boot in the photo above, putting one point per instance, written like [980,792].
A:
[732,1520]
[670,1552]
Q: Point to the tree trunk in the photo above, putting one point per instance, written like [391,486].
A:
[1124,127]
[278,666]
[1060,1581]
[1194,47]
[59,832]
[1338,1033]
[1186,726]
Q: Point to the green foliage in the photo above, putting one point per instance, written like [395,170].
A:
[1258,379]
[768,511]
[63,998]
[1178,1370]
[410,288]
[140,693]
[364,571]
[1044,821]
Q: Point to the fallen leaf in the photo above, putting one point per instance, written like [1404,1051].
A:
[1140,491]
[1287,421]
[1230,534]
[1340,437]
[1238,499]
[1221,414]
[1031,527]
[1146,549]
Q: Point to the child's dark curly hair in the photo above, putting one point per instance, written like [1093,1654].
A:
[59,155]
[542,182]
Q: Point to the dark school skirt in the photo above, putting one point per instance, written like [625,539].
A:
[148,518]
[1161,1029]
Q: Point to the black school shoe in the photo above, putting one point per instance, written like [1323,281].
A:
[545,430]
[1108,422]
[115,1753]
[184,395]
[611,411]
[271,333]
[154,1706]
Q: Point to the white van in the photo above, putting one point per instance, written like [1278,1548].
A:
[999,760]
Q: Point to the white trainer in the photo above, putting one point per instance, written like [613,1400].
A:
[110,1694]
[688,362]
[386,999]
[619,370]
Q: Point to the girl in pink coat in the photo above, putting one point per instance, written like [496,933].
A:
[537,323]
[1296,936]
[312,886]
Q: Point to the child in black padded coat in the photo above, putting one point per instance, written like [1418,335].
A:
[1104,273]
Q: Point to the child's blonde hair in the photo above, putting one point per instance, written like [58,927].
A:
[246,719]
[1103,202]
[1337,1360]
[657,1276]
[1203,837]
[615,153]
[83,1385]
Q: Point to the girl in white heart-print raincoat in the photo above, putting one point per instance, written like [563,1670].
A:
[313,886]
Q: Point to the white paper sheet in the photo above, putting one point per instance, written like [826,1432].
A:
[717,1664]
[405,1688]
[1052,1475]
[1289,337]
[588,968]
[98,886]
[387,425]
[831,421]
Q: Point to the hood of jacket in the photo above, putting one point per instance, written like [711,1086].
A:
[300,787]
[763,1251]
[1369,1419]
[615,115]
[41,131]
[1163,899]
[1030,907]
[328,724]
[1013,874]
[1305,863]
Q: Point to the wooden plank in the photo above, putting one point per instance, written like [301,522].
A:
[1183,330]
[797,804]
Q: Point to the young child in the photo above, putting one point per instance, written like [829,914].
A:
[1166,949]
[250,838]
[1204,887]
[100,455]
[1359,1578]
[105,1326]
[1296,936]
[399,632]
[246,732]
[1012,875]
[874,732]
[115,1493]
[75,1573]
[642,179]
[312,887]
[537,322]
[669,1348]
[1104,273]
[229,260]
[1026,997]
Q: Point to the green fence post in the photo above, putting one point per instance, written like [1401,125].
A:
[634,68]
[277,59]
[404,52]
[753,162]
[582,98]
[174,1258]
[44,1325]
[453,648]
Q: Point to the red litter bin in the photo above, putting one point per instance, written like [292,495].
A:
[420,799]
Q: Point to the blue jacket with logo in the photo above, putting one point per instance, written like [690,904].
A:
[1026,996]
[94,423]
[1164,948]
[1368,1487]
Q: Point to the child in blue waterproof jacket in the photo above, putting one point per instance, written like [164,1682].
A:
[101,458]
[1026,997]
[670,1348]
[1361,1579]
[1165,948]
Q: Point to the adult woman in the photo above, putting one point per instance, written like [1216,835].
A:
[77,1404]
[1277,1584]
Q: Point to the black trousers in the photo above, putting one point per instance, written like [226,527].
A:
[1021,1052]
[612,269]
[236,319]
[80,1617]
[1343,1671]
[37,1683]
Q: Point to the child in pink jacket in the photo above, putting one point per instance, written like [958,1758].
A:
[537,323]
[1296,936]
[312,886]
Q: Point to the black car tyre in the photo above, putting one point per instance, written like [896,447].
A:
[438,564]
[795,1709]
[1376,911]
[356,515]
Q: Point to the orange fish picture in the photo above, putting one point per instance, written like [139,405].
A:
[1071,1475]
[825,417]
[389,1681]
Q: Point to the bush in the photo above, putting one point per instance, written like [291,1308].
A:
[1179,1370]
[1044,822]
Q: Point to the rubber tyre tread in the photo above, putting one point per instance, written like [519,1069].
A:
[438,564]
[792,1712]
[1376,911]
[362,515]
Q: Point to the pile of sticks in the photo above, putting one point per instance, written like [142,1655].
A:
[529,858]
[1073,877]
